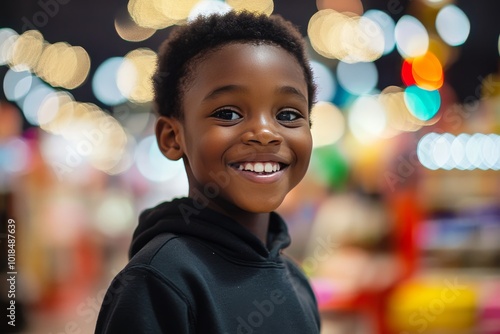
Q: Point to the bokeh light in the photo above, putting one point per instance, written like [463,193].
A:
[8,38]
[129,30]
[104,82]
[208,7]
[150,14]
[452,25]
[153,165]
[463,152]
[407,72]
[412,39]
[357,78]
[63,65]
[14,155]
[387,25]
[427,71]
[423,104]
[51,109]
[325,81]
[114,214]
[367,120]
[34,100]
[16,84]
[135,73]
[11,124]
[399,118]
[26,50]
[346,37]
[257,6]
[328,124]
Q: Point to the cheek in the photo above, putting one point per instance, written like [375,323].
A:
[303,147]
[205,150]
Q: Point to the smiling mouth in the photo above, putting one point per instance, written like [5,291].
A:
[264,167]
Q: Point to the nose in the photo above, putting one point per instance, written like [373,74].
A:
[262,132]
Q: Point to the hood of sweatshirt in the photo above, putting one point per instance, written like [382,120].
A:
[185,217]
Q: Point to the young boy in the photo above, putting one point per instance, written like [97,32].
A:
[233,94]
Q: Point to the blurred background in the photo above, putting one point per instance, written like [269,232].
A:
[397,222]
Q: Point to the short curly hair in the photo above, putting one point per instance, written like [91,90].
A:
[188,44]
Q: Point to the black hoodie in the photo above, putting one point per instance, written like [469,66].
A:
[194,270]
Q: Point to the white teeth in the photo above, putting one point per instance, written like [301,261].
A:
[259,167]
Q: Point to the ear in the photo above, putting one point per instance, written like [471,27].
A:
[168,134]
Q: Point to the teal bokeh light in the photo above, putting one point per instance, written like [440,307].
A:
[423,104]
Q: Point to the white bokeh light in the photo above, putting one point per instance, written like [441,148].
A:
[104,82]
[367,119]
[152,164]
[452,25]
[358,78]
[208,7]
[412,39]
[387,25]
[324,80]
[16,84]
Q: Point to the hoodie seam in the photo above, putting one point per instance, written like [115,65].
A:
[253,264]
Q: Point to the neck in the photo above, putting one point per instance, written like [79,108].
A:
[256,223]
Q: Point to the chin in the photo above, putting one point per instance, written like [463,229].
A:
[263,205]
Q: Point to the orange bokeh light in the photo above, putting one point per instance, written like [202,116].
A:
[427,72]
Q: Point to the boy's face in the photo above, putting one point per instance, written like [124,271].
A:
[245,136]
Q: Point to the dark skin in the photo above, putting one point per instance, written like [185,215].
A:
[245,133]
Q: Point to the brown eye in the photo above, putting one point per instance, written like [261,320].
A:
[288,115]
[226,114]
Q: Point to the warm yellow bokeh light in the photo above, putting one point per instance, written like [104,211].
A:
[88,130]
[177,10]
[345,36]
[26,51]
[319,25]
[63,65]
[328,124]
[128,30]
[76,61]
[399,118]
[135,73]
[257,6]
[149,14]
[48,63]
[51,109]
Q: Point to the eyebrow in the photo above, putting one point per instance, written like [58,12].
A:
[287,90]
[221,90]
